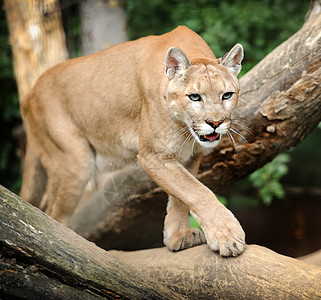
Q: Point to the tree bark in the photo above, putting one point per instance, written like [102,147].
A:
[280,101]
[198,273]
[37,39]
[38,43]
[40,258]
[103,24]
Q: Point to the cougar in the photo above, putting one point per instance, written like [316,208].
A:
[162,101]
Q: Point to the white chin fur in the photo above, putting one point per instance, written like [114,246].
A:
[208,145]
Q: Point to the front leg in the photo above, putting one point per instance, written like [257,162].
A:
[222,230]
[178,234]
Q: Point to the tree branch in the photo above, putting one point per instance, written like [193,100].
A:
[198,273]
[40,258]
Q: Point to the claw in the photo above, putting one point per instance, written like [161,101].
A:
[184,239]
[235,246]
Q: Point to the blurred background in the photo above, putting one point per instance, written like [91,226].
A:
[279,206]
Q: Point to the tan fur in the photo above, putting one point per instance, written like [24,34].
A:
[93,115]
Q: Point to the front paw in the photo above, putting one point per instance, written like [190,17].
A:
[184,239]
[225,234]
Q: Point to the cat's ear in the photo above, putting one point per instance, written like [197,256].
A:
[233,59]
[176,62]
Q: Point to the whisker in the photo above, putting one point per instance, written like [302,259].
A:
[232,140]
[240,133]
[182,133]
[186,140]
[185,127]
[193,145]
[248,129]
[237,132]
[241,119]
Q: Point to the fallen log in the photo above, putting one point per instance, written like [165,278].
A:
[40,258]
[198,273]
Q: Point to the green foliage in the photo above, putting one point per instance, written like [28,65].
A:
[267,179]
[193,223]
[222,199]
[260,25]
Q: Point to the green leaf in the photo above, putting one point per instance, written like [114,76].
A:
[266,195]
[267,179]
[193,223]
[222,199]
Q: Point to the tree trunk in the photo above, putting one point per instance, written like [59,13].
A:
[37,39]
[103,24]
[40,258]
[38,43]
[280,100]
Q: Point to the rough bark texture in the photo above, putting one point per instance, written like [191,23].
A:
[315,8]
[198,273]
[41,259]
[37,39]
[38,43]
[280,101]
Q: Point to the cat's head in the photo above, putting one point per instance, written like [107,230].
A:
[202,93]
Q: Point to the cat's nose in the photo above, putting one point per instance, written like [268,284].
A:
[213,123]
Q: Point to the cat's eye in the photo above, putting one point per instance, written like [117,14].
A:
[227,95]
[195,97]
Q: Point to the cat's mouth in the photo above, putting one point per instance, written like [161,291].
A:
[210,137]
[207,140]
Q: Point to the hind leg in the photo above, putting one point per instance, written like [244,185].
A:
[61,146]
[68,175]
[34,178]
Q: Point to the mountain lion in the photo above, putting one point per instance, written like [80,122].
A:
[162,100]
